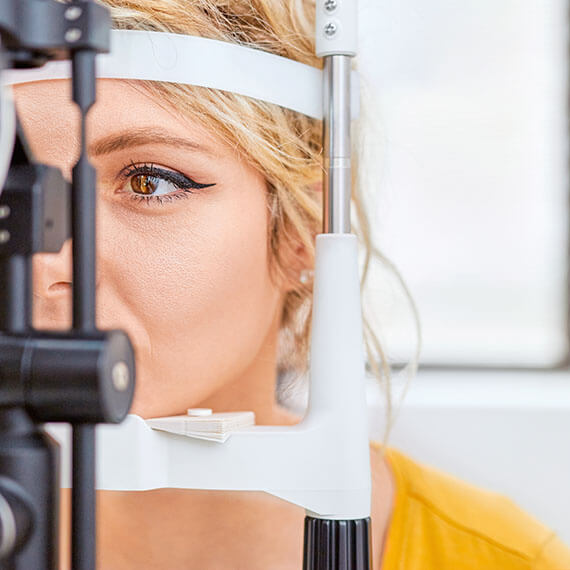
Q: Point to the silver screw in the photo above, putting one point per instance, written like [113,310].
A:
[4,236]
[4,212]
[330,29]
[331,5]
[73,13]
[73,35]
[120,375]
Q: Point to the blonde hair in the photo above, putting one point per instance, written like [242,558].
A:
[283,145]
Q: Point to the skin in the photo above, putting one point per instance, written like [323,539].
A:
[189,280]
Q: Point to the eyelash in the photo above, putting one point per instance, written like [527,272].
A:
[184,184]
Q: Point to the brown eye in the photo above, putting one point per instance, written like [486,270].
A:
[143,184]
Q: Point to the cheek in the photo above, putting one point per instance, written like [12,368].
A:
[194,280]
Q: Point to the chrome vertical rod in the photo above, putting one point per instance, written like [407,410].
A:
[337,144]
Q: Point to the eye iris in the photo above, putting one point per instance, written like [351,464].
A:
[143,184]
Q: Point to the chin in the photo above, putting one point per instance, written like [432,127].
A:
[147,408]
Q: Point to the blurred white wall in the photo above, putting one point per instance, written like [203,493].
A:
[469,171]
[467,152]
[506,432]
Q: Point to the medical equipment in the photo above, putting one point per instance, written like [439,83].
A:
[321,464]
[84,376]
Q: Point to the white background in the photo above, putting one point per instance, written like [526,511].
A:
[468,171]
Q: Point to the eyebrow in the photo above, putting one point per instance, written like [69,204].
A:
[140,137]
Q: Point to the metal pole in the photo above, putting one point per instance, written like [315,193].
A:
[15,294]
[83,544]
[333,543]
[336,141]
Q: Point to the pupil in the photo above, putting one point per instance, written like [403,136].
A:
[143,184]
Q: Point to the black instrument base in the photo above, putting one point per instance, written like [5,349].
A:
[337,544]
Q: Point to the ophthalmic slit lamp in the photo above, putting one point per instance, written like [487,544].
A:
[322,463]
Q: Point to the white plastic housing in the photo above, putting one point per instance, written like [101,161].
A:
[322,464]
[336,27]
[160,56]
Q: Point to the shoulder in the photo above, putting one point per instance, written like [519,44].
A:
[439,521]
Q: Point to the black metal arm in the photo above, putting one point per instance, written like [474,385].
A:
[84,376]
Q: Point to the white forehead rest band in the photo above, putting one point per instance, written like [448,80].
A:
[192,60]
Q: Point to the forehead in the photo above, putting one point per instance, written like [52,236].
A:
[48,113]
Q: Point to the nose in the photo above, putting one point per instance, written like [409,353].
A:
[52,289]
[53,273]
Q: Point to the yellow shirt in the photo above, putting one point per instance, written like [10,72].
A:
[442,523]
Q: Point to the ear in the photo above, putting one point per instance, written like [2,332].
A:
[296,262]
[297,259]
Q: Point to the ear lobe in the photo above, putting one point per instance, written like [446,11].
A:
[317,186]
[296,261]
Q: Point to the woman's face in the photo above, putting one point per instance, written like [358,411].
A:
[183,264]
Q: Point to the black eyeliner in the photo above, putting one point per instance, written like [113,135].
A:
[179,180]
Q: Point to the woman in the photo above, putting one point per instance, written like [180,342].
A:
[208,207]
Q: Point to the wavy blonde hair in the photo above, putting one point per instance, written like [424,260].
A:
[283,145]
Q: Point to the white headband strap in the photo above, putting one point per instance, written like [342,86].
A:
[192,60]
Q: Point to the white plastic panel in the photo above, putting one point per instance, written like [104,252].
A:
[336,27]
